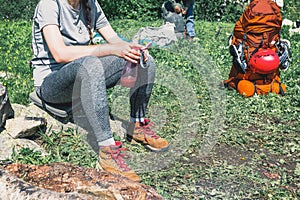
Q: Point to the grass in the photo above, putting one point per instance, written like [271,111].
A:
[224,146]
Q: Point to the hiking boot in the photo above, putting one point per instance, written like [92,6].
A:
[142,132]
[111,160]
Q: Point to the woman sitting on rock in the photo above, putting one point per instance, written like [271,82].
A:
[67,66]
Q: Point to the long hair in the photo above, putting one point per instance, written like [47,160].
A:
[88,18]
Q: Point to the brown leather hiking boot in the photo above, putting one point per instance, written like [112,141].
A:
[111,160]
[142,132]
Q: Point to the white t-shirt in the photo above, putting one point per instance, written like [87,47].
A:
[72,25]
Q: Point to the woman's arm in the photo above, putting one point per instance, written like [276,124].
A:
[62,53]
[112,37]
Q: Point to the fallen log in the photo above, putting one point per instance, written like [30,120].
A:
[67,181]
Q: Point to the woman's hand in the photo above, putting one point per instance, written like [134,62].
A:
[130,51]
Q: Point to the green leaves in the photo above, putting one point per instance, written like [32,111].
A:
[15,57]
[147,10]
[63,146]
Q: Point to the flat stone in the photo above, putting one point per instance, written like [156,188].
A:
[33,111]
[22,127]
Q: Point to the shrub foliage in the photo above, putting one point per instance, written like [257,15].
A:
[220,10]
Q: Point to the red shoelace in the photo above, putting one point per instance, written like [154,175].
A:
[147,127]
[117,155]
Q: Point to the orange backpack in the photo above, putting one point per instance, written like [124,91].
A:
[258,28]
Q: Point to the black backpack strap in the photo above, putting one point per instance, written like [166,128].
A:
[281,91]
[243,46]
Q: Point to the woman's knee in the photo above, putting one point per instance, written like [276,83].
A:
[91,66]
[90,62]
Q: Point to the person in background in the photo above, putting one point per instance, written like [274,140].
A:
[188,12]
[67,66]
[172,13]
[172,6]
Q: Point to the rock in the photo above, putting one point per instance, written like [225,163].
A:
[28,121]
[9,144]
[66,179]
[22,127]
[33,111]
[31,119]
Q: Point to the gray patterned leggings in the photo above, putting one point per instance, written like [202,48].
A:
[88,78]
